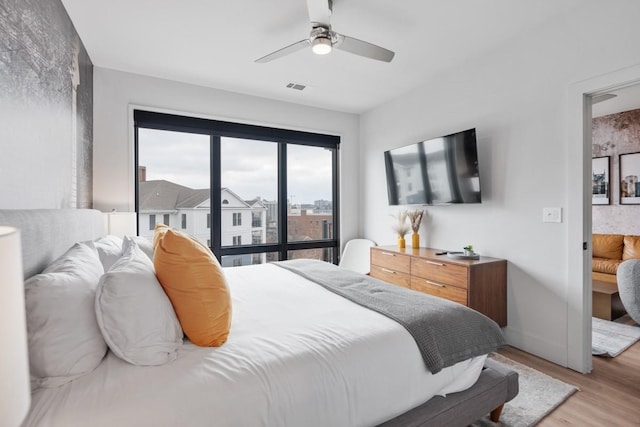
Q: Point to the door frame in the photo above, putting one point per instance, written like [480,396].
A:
[579,210]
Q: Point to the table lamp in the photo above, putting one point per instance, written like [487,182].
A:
[15,393]
[120,223]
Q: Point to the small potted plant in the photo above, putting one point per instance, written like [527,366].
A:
[468,250]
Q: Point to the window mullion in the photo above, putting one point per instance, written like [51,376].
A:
[336,203]
[216,197]
[136,160]
[282,199]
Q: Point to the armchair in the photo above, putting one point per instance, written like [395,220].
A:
[628,277]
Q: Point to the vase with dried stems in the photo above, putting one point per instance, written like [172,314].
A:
[415,217]
[401,227]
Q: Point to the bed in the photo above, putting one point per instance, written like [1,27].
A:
[297,354]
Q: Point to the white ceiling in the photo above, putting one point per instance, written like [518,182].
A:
[214,43]
[626,99]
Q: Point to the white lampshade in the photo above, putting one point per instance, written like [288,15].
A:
[15,392]
[120,223]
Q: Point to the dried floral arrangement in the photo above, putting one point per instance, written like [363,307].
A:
[415,217]
[400,226]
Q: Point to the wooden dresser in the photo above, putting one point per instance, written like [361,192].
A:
[479,284]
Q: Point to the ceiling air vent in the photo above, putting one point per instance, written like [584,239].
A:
[296,86]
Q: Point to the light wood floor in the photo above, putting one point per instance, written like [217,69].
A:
[609,396]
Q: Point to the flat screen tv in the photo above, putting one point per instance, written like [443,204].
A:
[439,171]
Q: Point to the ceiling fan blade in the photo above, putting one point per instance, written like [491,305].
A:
[284,51]
[362,48]
[320,11]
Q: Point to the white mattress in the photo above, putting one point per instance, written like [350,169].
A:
[297,355]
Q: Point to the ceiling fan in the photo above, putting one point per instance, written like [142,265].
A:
[323,39]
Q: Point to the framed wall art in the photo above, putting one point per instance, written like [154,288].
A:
[600,194]
[629,184]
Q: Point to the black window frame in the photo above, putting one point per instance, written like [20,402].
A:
[152,220]
[217,129]
[183,221]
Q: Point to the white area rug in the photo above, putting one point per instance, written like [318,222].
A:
[609,339]
[539,395]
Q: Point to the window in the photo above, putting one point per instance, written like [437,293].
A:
[284,182]
[309,178]
[256,219]
[184,221]
[162,156]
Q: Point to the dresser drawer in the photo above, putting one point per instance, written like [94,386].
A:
[391,276]
[391,260]
[440,272]
[434,288]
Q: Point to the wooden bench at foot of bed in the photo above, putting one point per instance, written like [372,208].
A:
[496,386]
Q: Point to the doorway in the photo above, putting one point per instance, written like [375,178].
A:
[579,206]
[615,148]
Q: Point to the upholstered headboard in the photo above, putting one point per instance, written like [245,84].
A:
[48,233]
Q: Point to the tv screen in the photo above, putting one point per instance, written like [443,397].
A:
[435,172]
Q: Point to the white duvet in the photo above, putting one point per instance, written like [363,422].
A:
[297,355]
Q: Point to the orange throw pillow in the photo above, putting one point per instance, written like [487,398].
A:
[194,282]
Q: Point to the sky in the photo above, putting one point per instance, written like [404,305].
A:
[249,168]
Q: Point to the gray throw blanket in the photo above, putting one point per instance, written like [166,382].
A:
[445,332]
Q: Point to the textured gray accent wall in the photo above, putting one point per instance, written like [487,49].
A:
[613,135]
[46,106]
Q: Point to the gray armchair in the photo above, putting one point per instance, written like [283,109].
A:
[628,277]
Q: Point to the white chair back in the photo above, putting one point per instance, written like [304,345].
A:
[357,255]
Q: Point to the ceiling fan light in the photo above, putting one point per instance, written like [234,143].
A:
[321,45]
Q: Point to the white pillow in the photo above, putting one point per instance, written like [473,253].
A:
[109,250]
[145,244]
[134,314]
[64,339]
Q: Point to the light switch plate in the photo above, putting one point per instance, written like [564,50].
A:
[551,214]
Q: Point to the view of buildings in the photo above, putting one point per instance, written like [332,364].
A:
[243,222]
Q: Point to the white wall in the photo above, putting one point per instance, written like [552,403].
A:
[115,92]
[517,99]
[229,230]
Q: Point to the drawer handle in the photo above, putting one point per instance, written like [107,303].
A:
[386,270]
[388,254]
[440,285]
[439,264]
